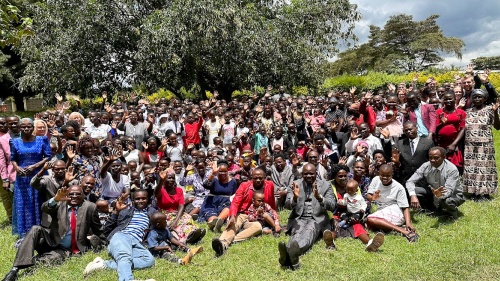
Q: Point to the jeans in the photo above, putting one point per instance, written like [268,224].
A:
[128,254]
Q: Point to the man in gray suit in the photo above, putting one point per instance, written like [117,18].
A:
[443,188]
[309,199]
[72,220]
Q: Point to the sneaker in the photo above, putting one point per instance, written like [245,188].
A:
[218,225]
[97,264]
[375,243]
[194,236]
[187,259]
[218,247]
[329,241]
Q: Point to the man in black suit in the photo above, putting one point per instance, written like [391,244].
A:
[72,220]
[291,138]
[309,199]
[413,152]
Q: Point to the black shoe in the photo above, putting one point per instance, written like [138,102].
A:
[194,236]
[218,247]
[96,243]
[195,217]
[11,276]
[294,253]
[284,258]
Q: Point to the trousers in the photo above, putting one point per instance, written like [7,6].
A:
[233,233]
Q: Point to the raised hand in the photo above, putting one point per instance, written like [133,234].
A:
[352,90]
[59,107]
[114,154]
[496,105]
[295,160]
[376,195]
[66,105]
[189,167]
[151,119]
[391,87]
[104,95]
[438,192]
[68,176]
[462,103]
[443,118]
[58,97]
[359,149]
[415,78]
[469,68]
[368,95]
[484,76]
[343,160]
[48,165]
[456,76]
[144,145]
[385,132]
[70,151]
[51,122]
[121,203]
[62,195]
[395,155]
[296,190]
[316,192]
[354,134]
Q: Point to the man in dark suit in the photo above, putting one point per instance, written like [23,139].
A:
[309,199]
[413,152]
[72,220]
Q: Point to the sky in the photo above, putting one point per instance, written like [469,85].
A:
[477,23]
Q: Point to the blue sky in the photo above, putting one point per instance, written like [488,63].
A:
[477,23]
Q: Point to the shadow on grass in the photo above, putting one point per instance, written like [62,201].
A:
[444,219]
[4,224]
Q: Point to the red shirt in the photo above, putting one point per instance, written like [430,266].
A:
[244,195]
[192,132]
[169,202]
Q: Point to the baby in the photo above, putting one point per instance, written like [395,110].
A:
[263,213]
[355,203]
[160,240]
[103,210]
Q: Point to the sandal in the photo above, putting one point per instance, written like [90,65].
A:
[412,237]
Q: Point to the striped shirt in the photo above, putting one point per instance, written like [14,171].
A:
[138,224]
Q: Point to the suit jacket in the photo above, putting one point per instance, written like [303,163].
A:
[410,163]
[428,113]
[291,140]
[320,214]
[87,219]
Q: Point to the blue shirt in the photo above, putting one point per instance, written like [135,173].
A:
[138,224]
[158,237]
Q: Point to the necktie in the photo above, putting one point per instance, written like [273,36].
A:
[412,148]
[72,223]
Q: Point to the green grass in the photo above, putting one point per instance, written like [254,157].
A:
[466,249]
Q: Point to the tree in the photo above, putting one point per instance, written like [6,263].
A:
[403,45]
[85,46]
[486,62]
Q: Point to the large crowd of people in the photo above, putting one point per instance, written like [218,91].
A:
[147,179]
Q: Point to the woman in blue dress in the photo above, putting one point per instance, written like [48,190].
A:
[28,154]
[215,208]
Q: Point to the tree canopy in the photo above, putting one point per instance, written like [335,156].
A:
[84,46]
[486,63]
[402,45]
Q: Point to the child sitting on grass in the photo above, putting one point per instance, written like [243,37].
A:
[263,213]
[355,203]
[103,210]
[160,240]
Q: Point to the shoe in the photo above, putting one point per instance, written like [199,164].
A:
[218,247]
[211,224]
[454,214]
[195,217]
[187,258]
[11,276]
[375,243]
[97,264]
[412,237]
[284,258]
[194,236]
[329,241]
[218,225]
[294,253]
[96,243]
[202,234]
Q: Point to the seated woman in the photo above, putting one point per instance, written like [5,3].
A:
[215,209]
[355,229]
[393,207]
[170,201]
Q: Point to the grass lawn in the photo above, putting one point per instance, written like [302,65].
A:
[466,249]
